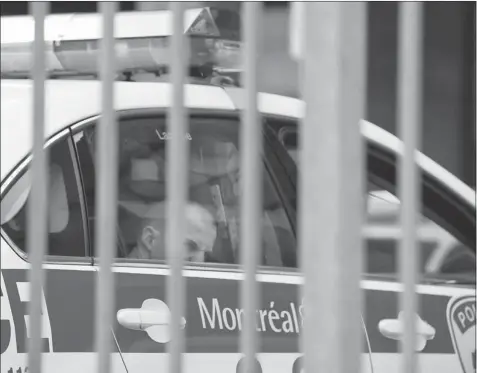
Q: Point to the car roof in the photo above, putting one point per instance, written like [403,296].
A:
[70,101]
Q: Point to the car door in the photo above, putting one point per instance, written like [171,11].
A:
[446,234]
[213,316]
[68,296]
[446,314]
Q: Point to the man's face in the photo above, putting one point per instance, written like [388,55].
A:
[154,241]
[199,231]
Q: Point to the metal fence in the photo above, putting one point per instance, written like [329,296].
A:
[332,52]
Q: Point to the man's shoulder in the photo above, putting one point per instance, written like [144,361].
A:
[209,258]
[134,253]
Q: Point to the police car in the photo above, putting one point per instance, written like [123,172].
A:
[213,319]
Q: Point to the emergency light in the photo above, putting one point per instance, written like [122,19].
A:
[142,42]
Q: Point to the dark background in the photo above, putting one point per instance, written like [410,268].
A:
[449,69]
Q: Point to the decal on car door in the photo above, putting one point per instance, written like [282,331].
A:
[461,319]
[15,295]
[212,322]
[68,318]
[441,347]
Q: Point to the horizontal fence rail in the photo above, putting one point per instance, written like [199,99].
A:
[330,46]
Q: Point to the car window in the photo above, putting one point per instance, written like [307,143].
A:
[212,211]
[66,232]
[440,252]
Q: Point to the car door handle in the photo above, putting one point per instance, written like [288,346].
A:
[394,329]
[153,317]
[139,319]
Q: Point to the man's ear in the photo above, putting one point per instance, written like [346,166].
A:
[149,237]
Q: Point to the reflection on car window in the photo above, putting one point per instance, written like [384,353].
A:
[65,224]
[440,252]
[212,212]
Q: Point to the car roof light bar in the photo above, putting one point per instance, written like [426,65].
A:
[142,41]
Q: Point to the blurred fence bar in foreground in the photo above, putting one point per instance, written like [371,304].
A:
[251,166]
[107,187]
[176,192]
[409,122]
[37,237]
[332,56]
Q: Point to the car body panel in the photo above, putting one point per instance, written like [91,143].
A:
[70,286]
[213,320]
[68,317]
[211,330]
[209,309]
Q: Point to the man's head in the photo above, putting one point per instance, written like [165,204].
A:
[199,232]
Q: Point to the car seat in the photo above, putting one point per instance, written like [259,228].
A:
[65,220]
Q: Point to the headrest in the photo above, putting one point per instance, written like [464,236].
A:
[58,201]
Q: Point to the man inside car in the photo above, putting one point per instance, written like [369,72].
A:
[143,184]
[199,234]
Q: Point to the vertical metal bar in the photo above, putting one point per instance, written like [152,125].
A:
[106,185]
[409,125]
[331,187]
[297,31]
[37,236]
[177,173]
[251,170]
[151,5]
